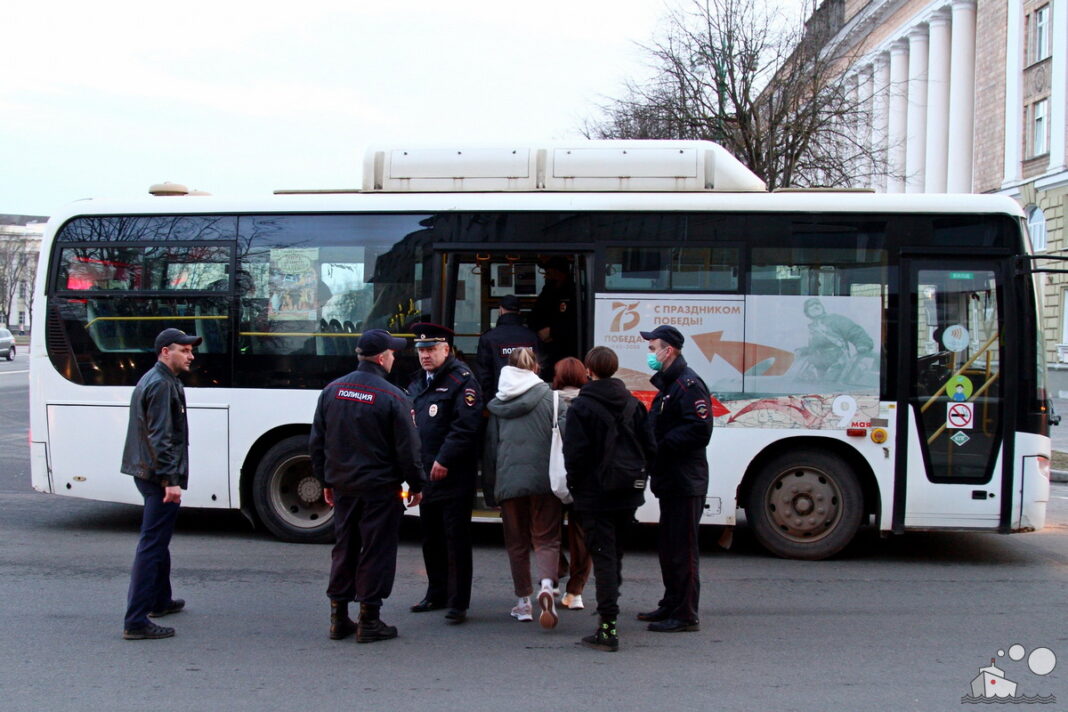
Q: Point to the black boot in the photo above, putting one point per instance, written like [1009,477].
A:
[605,638]
[341,626]
[371,628]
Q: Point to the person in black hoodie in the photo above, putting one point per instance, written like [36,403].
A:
[606,432]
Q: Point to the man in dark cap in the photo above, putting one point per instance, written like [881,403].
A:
[157,455]
[448,412]
[555,316]
[364,447]
[497,344]
[681,419]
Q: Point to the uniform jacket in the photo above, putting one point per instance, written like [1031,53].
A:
[518,437]
[682,425]
[363,438]
[497,344]
[448,413]
[585,436]
[157,437]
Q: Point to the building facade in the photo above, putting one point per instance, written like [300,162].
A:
[970,96]
[20,246]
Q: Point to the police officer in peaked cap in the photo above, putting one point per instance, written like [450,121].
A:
[448,413]
[364,447]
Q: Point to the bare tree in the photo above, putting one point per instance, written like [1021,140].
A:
[733,72]
[17,264]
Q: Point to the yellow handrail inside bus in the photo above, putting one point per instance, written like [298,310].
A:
[959,371]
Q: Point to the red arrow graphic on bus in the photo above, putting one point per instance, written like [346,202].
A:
[743,355]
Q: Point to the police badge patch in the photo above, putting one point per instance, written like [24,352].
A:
[702,409]
[433,410]
[470,397]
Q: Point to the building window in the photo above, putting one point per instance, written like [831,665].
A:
[1036,226]
[1040,40]
[22,290]
[1039,113]
[22,318]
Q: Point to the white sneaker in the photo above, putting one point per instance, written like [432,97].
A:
[572,601]
[548,618]
[523,610]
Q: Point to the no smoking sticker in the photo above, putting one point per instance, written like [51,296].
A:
[960,415]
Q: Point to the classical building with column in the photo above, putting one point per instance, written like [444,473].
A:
[970,96]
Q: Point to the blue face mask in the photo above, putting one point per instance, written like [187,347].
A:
[653,362]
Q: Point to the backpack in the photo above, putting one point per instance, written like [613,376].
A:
[624,465]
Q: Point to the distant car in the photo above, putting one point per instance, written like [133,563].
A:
[7,345]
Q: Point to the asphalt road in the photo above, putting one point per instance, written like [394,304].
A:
[902,623]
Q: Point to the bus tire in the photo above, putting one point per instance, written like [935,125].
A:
[805,504]
[288,499]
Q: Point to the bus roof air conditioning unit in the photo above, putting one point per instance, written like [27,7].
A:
[581,166]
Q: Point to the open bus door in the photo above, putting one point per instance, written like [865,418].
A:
[954,467]
[474,282]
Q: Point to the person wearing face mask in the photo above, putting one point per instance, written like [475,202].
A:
[681,419]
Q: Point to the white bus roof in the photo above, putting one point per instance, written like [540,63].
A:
[582,166]
[818,202]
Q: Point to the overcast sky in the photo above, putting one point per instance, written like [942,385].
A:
[103,99]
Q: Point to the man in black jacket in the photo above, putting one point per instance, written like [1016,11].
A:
[364,446]
[682,425]
[157,455]
[606,428]
[497,344]
[448,413]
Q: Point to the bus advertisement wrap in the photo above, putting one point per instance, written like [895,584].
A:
[769,360]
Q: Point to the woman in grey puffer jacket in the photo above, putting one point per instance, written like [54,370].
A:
[516,471]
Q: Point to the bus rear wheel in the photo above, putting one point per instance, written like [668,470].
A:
[805,505]
[288,498]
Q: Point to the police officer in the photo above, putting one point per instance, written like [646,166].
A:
[554,317]
[498,343]
[682,426]
[448,412]
[364,446]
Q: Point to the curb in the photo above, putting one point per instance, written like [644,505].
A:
[1058,475]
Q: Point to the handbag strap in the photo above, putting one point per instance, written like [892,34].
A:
[556,412]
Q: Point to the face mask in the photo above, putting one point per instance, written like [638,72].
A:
[653,362]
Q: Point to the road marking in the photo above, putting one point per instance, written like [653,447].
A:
[4,373]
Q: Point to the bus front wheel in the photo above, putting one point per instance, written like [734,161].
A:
[805,505]
[288,498]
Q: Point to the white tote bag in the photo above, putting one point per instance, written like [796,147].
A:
[557,472]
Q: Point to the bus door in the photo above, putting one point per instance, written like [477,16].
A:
[953,425]
[474,282]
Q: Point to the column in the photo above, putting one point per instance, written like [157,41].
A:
[961,97]
[881,115]
[1058,125]
[897,123]
[1014,49]
[937,104]
[865,122]
[916,141]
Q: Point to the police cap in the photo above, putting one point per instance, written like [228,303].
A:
[428,335]
[668,334]
[374,341]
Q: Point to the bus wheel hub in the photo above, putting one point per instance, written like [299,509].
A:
[309,490]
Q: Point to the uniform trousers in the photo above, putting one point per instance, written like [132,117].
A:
[679,555]
[605,533]
[364,557]
[150,579]
[532,521]
[446,525]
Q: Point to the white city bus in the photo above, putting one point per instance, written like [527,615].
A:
[873,358]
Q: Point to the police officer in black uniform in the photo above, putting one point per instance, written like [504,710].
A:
[497,344]
[448,412]
[364,446]
[682,426]
[555,318]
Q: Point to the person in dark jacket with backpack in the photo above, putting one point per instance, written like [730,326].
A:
[681,419]
[608,449]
